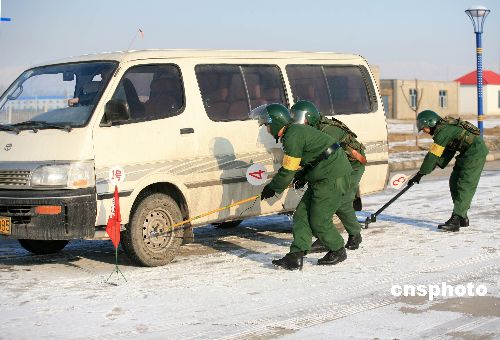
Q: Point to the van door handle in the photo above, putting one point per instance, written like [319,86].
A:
[186,131]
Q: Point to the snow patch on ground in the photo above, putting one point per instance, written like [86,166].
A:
[410,142]
[231,290]
[403,126]
[397,157]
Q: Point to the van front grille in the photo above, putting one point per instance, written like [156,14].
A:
[19,214]
[14,179]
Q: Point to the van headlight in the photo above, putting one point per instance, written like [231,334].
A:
[73,175]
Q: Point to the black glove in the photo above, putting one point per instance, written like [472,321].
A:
[415,179]
[266,193]
[299,182]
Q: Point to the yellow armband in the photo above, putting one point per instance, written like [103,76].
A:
[436,149]
[291,163]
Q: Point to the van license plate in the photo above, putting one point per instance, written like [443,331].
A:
[5,225]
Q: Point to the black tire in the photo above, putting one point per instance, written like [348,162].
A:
[227,225]
[153,214]
[42,247]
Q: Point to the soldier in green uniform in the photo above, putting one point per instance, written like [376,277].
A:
[450,136]
[304,112]
[328,173]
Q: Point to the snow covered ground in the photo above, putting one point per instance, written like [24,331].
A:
[224,286]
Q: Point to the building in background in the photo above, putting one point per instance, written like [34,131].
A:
[29,107]
[491,93]
[376,74]
[404,98]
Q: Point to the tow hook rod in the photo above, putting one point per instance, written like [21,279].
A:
[373,217]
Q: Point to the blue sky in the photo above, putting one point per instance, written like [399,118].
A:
[424,39]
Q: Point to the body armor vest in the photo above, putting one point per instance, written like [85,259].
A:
[349,140]
[465,138]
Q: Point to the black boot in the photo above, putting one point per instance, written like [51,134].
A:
[453,224]
[333,257]
[318,247]
[353,242]
[291,261]
[464,222]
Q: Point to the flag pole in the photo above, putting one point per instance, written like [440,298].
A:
[113,229]
[116,269]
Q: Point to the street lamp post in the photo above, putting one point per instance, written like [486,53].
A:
[2,19]
[478,15]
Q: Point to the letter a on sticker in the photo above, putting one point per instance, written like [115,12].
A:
[256,174]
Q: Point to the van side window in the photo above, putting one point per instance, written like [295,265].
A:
[308,83]
[334,89]
[348,89]
[265,85]
[152,91]
[230,92]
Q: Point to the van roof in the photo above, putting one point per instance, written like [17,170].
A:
[174,53]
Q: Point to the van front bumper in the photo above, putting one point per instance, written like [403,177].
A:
[75,221]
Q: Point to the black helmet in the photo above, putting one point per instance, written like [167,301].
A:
[276,116]
[427,118]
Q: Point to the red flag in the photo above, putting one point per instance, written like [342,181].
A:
[113,226]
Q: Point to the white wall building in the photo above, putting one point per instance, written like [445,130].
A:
[30,107]
[38,104]
[468,93]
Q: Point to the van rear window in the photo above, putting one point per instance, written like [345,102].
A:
[334,89]
[230,92]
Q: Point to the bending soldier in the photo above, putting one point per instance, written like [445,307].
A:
[327,172]
[450,136]
[304,112]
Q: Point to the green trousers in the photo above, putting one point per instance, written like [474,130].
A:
[346,212]
[314,214]
[465,176]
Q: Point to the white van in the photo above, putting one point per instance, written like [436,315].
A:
[176,122]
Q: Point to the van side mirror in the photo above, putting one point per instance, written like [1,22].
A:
[115,111]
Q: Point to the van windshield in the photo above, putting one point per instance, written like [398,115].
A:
[53,96]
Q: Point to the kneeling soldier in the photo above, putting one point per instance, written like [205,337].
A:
[304,112]
[328,173]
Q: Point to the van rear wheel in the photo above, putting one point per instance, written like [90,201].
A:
[147,240]
[42,247]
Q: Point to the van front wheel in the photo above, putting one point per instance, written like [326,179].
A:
[42,247]
[147,240]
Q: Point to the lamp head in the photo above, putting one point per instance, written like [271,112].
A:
[477,15]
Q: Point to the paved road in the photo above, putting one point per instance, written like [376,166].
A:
[223,285]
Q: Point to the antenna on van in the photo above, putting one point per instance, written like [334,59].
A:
[140,33]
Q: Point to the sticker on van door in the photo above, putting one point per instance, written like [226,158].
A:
[116,175]
[256,174]
[398,180]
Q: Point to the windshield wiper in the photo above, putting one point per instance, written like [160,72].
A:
[36,125]
[9,128]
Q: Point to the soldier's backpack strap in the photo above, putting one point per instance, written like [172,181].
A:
[469,127]
[463,124]
[466,137]
[338,123]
